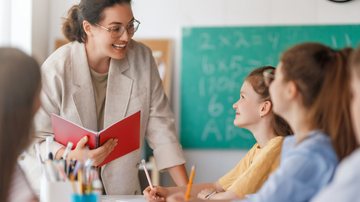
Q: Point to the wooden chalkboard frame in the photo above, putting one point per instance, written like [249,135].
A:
[162,52]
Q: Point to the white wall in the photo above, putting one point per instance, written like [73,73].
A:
[15,24]
[24,24]
[57,11]
[165,18]
[5,28]
[40,26]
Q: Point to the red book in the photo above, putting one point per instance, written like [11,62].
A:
[127,131]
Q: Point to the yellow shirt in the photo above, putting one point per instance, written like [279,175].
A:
[253,170]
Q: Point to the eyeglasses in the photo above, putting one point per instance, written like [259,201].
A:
[118,30]
[269,76]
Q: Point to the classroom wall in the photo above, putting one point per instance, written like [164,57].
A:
[40,29]
[15,24]
[165,18]
[5,7]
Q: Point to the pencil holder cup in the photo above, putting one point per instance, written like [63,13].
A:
[55,191]
[85,197]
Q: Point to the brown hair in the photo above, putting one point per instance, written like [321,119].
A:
[89,10]
[355,62]
[321,75]
[256,79]
[19,84]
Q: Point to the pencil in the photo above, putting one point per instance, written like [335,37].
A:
[147,174]
[188,189]
[67,150]
[80,182]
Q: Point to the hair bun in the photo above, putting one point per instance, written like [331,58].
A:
[72,28]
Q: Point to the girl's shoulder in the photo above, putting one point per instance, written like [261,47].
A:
[316,146]
[316,140]
[288,143]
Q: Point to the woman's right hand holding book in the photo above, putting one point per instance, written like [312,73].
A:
[82,152]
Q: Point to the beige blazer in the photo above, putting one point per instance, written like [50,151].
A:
[133,84]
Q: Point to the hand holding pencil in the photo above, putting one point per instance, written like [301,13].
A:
[147,174]
[159,194]
[180,196]
[156,194]
[188,189]
[153,193]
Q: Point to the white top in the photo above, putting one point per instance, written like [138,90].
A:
[346,184]
[20,189]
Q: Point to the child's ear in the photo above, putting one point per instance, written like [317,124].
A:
[291,90]
[265,108]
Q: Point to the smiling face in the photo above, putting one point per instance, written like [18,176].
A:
[247,107]
[103,40]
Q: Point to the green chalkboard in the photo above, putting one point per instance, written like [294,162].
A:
[215,60]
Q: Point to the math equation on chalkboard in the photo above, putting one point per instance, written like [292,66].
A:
[215,61]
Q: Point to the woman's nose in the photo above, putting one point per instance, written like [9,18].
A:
[125,36]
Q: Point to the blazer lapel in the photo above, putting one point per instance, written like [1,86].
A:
[118,93]
[84,94]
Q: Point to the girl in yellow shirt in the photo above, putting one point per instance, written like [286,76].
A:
[253,112]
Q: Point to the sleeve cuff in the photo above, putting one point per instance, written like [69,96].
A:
[168,155]
[221,182]
[237,191]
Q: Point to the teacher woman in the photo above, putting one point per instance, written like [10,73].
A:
[101,77]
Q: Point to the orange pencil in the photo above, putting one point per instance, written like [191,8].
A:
[80,182]
[188,189]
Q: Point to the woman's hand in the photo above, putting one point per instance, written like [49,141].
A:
[157,194]
[98,155]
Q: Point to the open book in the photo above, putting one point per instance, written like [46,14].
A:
[127,131]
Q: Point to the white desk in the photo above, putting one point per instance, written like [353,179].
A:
[122,198]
